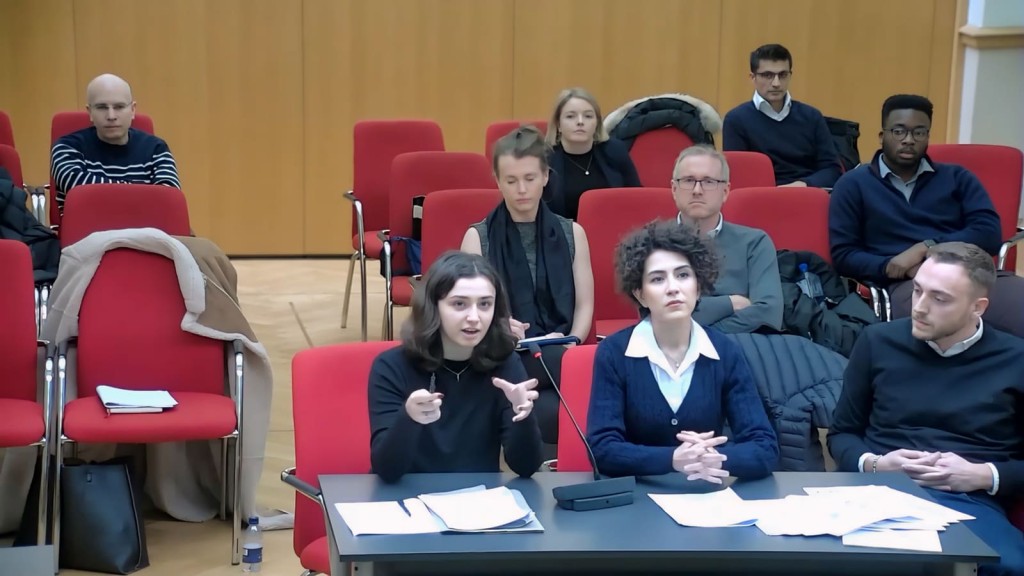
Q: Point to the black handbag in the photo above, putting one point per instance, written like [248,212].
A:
[101,518]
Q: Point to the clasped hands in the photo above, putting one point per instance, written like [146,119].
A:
[905,264]
[697,458]
[939,470]
[424,407]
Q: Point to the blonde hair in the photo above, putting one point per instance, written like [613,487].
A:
[600,135]
[702,150]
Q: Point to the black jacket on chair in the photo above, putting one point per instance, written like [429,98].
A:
[611,156]
[18,223]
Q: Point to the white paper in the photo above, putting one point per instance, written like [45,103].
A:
[719,509]
[476,509]
[388,518]
[921,540]
[120,398]
[899,503]
[820,515]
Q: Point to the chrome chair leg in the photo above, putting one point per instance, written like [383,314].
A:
[348,288]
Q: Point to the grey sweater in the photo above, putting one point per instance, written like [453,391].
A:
[748,267]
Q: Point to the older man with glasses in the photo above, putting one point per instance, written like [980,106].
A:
[793,134]
[747,296]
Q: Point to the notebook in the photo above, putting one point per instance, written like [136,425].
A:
[121,401]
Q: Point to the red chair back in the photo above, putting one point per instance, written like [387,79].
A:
[422,173]
[607,215]
[101,207]
[10,160]
[577,376]
[1000,170]
[794,218]
[654,154]
[64,123]
[129,331]
[17,323]
[447,214]
[749,170]
[6,130]
[376,143]
[332,424]
[498,129]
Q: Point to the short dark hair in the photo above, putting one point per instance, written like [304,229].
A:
[632,253]
[771,52]
[421,333]
[975,261]
[523,142]
[906,102]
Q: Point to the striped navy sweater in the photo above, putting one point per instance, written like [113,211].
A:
[82,158]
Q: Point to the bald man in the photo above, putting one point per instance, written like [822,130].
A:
[111,150]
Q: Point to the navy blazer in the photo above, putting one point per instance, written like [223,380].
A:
[612,156]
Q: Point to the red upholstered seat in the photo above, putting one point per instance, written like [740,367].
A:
[23,423]
[198,416]
[609,327]
[317,556]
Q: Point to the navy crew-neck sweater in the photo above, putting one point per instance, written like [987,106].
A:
[475,424]
[800,146]
[870,221]
[899,393]
[82,158]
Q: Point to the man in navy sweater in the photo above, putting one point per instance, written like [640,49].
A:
[110,151]
[793,134]
[940,397]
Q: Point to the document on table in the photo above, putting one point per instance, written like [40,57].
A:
[900,503]
[719,509]
[921,540]
[473,509]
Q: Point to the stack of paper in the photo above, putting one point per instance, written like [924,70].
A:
[473,509]
[121,401]
[875,516]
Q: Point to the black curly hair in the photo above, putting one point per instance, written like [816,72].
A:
[632,253]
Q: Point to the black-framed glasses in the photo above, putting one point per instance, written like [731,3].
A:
[900,133]
[706,184]
[769,76]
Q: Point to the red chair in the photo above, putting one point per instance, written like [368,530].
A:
[101,207]
[654,154]
[6,130]
[794,218]
[130,336]
[25,421]
[607,215]
[417,174]
[1000,170]
[749,170]
[447,214]
[65,123]
[577,376]
[498,129]
[329,386]
[375,145]
[11,161]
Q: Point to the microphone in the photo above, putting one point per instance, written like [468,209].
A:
[596,495]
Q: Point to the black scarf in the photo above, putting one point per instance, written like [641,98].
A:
[548,306]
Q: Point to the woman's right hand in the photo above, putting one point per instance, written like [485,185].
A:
[424,407]
[697,458]
[518,328]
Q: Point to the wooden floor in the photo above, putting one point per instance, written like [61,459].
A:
[292,305]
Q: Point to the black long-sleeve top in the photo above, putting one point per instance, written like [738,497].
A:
[475,424]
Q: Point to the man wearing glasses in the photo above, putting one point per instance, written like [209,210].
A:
[793,134]
[747,295]
[884,216]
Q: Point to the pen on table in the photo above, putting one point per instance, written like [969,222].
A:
[404,509]
[431,388]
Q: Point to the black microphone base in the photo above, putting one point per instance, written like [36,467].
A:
[596,495]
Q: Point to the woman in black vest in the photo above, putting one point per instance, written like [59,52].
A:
[583,157]
[543,259]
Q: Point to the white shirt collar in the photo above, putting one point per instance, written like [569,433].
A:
[714,231]
[884,171]
[960,347]
[766,108]
[642,344]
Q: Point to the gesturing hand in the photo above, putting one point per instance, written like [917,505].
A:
[424,407]
[951,473]
[521,396]
[697,458]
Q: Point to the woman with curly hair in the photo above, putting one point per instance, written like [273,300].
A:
[664,389]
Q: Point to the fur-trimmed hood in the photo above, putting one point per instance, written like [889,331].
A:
[709,117]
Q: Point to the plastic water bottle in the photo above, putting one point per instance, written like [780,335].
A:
[810,285]
[252,547]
